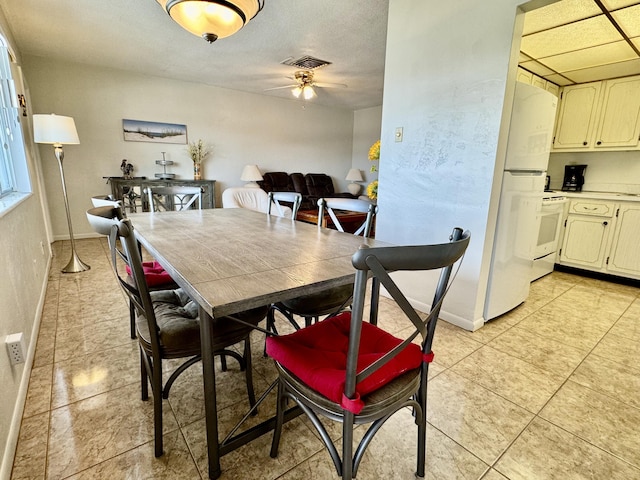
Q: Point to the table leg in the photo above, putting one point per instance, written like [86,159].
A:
[210,407]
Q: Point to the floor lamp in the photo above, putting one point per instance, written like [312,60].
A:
[58,130]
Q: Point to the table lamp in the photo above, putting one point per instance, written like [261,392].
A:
[251,174]
[59,130]
[353,176]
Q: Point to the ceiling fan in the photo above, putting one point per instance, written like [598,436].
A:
[304,85]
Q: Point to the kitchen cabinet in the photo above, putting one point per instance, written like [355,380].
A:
[577,116]
[586,233]
[599,116]
[602,236]
[525,76]
[624,256]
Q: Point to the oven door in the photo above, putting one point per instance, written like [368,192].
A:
[551,215]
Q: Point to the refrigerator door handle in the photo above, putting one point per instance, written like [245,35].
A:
[527,173]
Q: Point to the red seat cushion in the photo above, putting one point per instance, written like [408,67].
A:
[317,355]
[154,274]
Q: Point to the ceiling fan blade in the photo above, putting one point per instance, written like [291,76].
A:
[280,88]
[329,85]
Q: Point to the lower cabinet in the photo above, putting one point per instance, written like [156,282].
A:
[602,236]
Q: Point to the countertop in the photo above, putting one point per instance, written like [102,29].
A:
[618,197]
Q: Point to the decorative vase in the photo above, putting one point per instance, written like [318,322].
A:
[197,172]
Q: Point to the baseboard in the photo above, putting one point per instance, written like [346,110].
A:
[18,410]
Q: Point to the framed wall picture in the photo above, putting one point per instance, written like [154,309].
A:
[156,132]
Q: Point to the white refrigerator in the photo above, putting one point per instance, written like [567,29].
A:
[528,146]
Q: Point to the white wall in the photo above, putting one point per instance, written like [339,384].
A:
[449,80]
[22,284]
[274,133]
[606,171]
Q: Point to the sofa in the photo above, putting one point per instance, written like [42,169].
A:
[311,186]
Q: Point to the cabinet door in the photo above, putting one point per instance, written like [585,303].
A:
[619,124]
[553,88]
[624,256]
[585,241]
[576,120]
[524,76]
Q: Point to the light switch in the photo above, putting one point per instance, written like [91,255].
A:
[398,134]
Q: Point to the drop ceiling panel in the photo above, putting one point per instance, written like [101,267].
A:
[591,57]
[614,70]
[566,10]
[616,4]
[536,68]
[574,36]
[629,20]
[559,80]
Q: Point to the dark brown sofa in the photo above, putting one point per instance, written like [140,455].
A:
[312,186]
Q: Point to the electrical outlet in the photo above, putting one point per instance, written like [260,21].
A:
[15,348]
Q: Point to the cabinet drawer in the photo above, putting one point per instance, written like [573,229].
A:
[590,207]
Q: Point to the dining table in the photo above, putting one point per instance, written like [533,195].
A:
[229,260]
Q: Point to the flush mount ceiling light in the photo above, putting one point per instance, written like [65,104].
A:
[212,19]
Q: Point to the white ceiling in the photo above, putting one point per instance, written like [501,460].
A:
[138,36]
[571,41]
[578,41]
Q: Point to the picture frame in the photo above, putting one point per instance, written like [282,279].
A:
[154,132]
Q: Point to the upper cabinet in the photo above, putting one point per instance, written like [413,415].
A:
[599,116]
[525,76]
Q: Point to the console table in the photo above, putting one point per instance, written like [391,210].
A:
[131,191]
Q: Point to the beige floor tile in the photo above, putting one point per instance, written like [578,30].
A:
[450,345]
[597,418]
[31,454]
[85,376]
[620,348]
[546,452]
[140,462]
[516,380]
[39,392]
[542,352]
[91,339]
[98,428]
[493,475]
[607,376]
[629,323]
[474,417]
[490,330]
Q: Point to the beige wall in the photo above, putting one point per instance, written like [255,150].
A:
[22,281]
[449,79]
[274,133]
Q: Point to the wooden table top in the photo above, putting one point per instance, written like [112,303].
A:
[230,260]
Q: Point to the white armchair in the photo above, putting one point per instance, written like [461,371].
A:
[252,198]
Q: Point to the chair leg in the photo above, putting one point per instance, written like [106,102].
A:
[249,374]
[144,377]
[281,405]
[157,408]
[223,362]
[132,319]
[421,421]
[347,446]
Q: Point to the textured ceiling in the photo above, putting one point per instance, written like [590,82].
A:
[578,41]
[138,36]
[571,41]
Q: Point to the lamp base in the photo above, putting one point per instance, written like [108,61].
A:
[75,265]
[251,185]
[354,189]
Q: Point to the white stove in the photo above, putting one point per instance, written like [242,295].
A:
[550,221]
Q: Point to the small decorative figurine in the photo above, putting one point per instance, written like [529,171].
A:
[126,168]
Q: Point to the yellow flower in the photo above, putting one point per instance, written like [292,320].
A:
[372,190]
[374,151]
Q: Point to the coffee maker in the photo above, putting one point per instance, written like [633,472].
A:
[573,178]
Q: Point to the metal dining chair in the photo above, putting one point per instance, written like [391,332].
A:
[174,198]
[293,198]
[167,323]
[332,300]
[352,371]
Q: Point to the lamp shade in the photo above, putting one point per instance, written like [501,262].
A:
[55,129]
[354,175]
[212,19]
[250,173]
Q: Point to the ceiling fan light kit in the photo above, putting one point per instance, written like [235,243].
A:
[212,19]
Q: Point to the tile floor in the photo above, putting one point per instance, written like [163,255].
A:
[548,391]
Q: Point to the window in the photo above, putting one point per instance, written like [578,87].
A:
[14,174]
